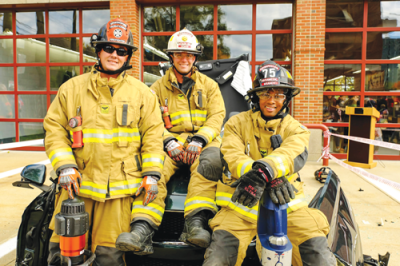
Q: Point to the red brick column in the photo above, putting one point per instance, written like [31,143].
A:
[309,59]
[128,10]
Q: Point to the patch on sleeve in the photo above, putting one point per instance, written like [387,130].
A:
[153,92]
[303,127]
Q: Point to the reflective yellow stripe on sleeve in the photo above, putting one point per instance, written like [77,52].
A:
[200,202]
[61,154]
[298,202]
[209,132]
[153,160]
[223,199]
[151,209]
[92,189]
[244,166]
[280,163]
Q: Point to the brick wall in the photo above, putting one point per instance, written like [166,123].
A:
[128,10]
[309,50]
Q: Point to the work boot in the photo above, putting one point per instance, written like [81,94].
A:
[139,240]
[195,231]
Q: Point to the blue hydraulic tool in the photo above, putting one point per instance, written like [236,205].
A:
[272,232]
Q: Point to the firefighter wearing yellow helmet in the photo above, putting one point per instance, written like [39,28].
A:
[264,148]
[197,111]
[120,151]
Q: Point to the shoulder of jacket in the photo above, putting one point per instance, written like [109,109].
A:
[240,118]
[204,79]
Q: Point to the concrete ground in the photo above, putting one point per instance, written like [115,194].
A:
[370,205]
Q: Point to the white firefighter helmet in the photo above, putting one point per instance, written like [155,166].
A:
[184,41]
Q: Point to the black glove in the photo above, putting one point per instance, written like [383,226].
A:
[280,190]
[250,186]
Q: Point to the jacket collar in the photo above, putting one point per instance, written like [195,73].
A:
[260,125]
[96,81]
[170,78]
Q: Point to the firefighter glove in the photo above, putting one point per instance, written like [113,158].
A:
[175,150]
[70,179]
[149,184]
[193,151]
[250,186]
[280,191]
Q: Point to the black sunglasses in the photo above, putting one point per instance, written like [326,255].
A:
[110,49]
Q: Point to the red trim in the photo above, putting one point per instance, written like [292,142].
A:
[343,156]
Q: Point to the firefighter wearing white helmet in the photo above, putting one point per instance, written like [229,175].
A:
[197,111]
[264,149]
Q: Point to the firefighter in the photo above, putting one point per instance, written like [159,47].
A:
[121,152]
[264,148]
[196,111]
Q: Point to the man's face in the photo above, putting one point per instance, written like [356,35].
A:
[183,62]
[110,60]
[271,101]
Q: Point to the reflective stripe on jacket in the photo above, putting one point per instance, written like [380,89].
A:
[201,111]
[247,139]
[121,134]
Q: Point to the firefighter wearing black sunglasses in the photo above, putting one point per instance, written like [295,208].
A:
[120,152]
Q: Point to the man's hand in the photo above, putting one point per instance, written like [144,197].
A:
[193,151]
[175,150]
[70,179]
[280,191]
[149,184]
[250,187]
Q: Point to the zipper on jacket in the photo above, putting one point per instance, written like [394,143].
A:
[188,99]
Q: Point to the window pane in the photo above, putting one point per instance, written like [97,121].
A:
[64,22]
[30,23]
[333,107]
[154,46]
[32,106]
[337,144]
[31,51]
[230,46]
[151,74]
[344,14]
[382,77]
[197,18]
[60,74]
[274,16]
[388,107]
[30,131]
[7,105]
[234,17]
[6,78]
[7,132]
[6,23]
[6,51]
[93,20]
[64,49]
[89,53]
[391,135]
[207,42]
[342,77]
[343,45]
[31,78]
[383,13]
[159,19]
[383,45]
[276,46]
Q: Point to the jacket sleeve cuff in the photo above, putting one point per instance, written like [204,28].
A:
[265,166]
[154,174]
[66,166]
[204,139]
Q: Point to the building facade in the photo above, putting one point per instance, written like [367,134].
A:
[340,53]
